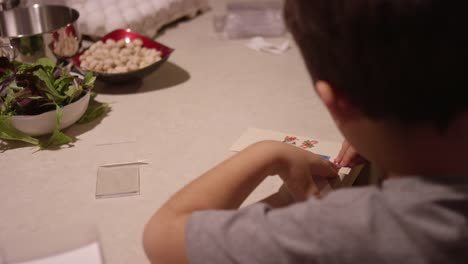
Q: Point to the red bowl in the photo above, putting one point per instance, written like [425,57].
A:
[132,75]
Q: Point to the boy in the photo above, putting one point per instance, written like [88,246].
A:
[392,74]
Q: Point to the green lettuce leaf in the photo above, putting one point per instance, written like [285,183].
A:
[62,83]
[48,80]
[88,80]
[6,104]
[46,62]
[7,131]
[58,138]
[94,111]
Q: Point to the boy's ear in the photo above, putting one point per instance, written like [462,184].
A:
[339,107]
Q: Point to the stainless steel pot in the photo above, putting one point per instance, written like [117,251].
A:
[40,31]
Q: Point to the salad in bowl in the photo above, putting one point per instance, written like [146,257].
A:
[43,98]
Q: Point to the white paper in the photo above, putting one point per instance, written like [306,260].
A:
[260,44]
[327,148]
[89,254]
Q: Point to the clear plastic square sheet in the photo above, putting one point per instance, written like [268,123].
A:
[118,181]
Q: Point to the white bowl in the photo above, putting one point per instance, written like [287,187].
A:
[38,125]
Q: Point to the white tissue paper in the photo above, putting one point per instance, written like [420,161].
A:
[260,44]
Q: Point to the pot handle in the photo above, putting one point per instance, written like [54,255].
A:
[7,50]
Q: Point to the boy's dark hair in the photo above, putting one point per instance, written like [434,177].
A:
[394,59]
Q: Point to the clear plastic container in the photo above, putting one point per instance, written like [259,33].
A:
[246,19]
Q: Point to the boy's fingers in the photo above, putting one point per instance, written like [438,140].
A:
[348,157]
[325,168]
[285,193]
[344,149]
[298,190]
[351,158]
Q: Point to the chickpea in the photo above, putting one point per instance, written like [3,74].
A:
[110,42]
[138,42]
[121,43]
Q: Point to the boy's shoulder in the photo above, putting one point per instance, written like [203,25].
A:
[394,221]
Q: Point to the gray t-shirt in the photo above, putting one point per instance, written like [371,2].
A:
[406,220]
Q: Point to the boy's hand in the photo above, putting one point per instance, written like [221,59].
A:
[348,156]
[303,172]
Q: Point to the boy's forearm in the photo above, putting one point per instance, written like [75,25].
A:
[224,187]
[227,185]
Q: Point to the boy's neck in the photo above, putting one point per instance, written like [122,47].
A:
[425,152]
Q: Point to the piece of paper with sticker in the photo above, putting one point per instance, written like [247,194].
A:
[306,144]
[324,149]
[291,140]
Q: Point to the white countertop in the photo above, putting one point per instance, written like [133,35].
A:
[182,120]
